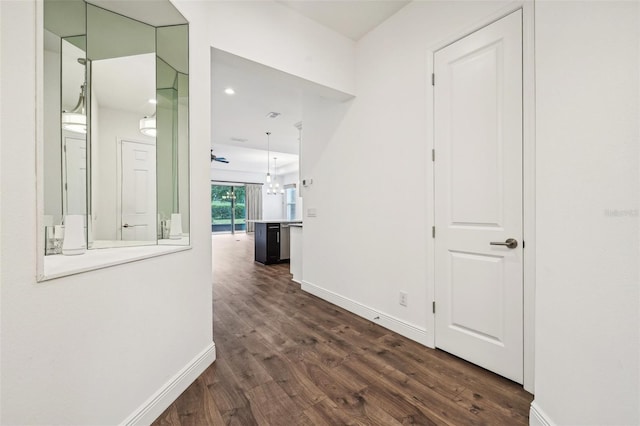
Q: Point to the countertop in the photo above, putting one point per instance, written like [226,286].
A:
[277,221]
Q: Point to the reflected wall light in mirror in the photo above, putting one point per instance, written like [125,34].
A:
[148,126]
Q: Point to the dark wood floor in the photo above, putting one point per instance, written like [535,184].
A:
[285,357]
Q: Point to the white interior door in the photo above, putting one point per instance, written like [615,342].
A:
[478,197]
[75,176]
[138,191]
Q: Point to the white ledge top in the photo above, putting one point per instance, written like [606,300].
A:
[57,266]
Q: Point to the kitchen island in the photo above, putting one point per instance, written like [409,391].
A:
[272,243]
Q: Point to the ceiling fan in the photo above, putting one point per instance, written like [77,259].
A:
[218,159]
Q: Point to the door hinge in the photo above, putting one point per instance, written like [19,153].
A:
[433,79]
[433,232]
[433,306]
[522,243]
[65,186]
[433,155]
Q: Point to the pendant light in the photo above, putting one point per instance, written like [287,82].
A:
[268,154]
[76,119]
[274,188]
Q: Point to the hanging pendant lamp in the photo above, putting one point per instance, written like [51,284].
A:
[76,119]
[268,153]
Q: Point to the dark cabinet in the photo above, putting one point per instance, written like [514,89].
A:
[267,243]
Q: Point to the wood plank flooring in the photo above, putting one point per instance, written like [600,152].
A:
[285,357]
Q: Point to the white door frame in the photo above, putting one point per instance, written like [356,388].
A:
[528,190]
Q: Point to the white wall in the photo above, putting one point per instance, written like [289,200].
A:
[274,35]
[94,347]
[587,113]
[369,162]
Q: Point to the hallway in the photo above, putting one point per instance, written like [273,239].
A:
[285,357]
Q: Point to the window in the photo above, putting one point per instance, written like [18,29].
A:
[228,213]
[290,201]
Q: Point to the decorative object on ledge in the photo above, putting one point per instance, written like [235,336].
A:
[175,232]
[74,242]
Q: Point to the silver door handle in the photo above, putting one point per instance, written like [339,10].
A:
[509,242]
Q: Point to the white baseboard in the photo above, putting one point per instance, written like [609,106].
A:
[164,397]
[537,417]
[403,328]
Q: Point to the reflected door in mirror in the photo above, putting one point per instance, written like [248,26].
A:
[138,191]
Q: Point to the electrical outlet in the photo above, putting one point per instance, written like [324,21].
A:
[403,298]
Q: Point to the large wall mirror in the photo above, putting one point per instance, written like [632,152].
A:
[116,122]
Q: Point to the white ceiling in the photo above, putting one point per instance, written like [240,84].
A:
[119,82]
[240,120]
[260,89]
[351,18]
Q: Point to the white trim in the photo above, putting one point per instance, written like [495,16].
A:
[58,266]
[39,140]
[392,323]
[529,191]
[537,417]
[170,391]
[528,99]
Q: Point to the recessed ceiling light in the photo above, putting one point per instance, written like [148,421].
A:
[273,114]
[229,91]
[153,101]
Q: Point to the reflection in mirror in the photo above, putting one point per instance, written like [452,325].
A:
[74,127]
[122,56]
[172,138]
[65,140]
[116,145]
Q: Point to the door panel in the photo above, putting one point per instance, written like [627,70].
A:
[478,197]
[477,282]
[138,192]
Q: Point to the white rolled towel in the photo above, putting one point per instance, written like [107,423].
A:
[175,232]
[74,242]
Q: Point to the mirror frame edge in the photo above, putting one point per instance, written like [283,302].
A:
[39,141]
